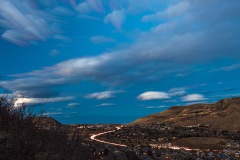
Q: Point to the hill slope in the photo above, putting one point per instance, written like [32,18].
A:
[47,121]
[223,115]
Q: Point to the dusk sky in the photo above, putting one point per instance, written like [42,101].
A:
[112,61]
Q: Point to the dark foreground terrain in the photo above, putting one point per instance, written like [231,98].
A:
[23,136]
[180,133]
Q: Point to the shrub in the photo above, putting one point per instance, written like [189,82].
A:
[23,137]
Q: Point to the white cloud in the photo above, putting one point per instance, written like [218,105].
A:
[156,53]
[20,101]
[154,107]
[176,92]
[193,97]
[105,104]
[102,95]
[73,104]
[99,39]
[116,18]
[153,95]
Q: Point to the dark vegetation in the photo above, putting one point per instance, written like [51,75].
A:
[24,136]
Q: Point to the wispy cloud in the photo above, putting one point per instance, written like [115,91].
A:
[52,113]
[83,8]
[54,53]
[62,38]
[162,51]
[193,98]
[62,11]
[73,104]
[174,10]
[176,92]
[153,95]
[99,39]
[91,5]
[102,95]
[227,68]
[136,7]
[105,104]
[20,101]
[198,102]
[116,18]
[155,107]
[22,23]
[32,87]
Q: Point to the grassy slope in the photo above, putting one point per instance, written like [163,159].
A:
[202,142]
[223,115]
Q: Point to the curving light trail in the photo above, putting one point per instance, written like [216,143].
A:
[169,146]
[93,137]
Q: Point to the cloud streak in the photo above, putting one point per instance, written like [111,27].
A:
[166,49]
[21,101]
[154,107]
[102,95]
[193,98]
[22,23]
[105,104]
[91,5]
[228,68]
[153,95]
[73,104]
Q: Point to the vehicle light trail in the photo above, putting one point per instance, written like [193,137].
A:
[93,137]
[169,146]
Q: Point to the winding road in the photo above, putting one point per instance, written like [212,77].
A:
[169,146]
[93,137]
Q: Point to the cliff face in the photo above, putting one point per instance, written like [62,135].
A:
[223,115]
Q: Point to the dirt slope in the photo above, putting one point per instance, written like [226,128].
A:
[223,115]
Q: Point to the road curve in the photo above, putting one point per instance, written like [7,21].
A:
[169,146]
[93,137]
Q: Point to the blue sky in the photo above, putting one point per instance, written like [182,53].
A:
[111,61]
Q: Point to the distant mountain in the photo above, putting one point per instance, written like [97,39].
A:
[222,115]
